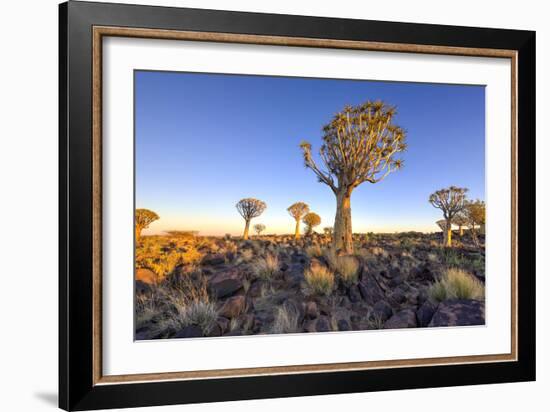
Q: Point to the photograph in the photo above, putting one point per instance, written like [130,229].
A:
[287,205]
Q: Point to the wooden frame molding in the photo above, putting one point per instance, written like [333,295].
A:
[101,31]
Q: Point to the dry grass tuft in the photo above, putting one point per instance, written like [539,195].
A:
[319,280]
[266,267]
[457,284]
[348,269]
[286,320]
[192,305]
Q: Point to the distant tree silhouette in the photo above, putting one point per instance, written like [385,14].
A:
[451,202]
[249,208]
[144,217]
[311,220]
[328,230]
[298,210]
[259,228]
[360,145]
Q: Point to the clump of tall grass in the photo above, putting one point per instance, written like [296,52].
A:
[192,305]
[286,320]
[348,269]
[457,284]
[319,280]
[266,267]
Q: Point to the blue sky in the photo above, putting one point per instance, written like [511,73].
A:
[204,141]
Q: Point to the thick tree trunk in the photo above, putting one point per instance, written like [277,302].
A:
[246,228]
[448,234]
[461,231]
[297,230]
[342,238]
[474,235]
[138,234]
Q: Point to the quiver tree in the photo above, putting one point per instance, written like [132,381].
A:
[259,228]
[298,210]
[328,231]
[311,220]
[144,217]
[360,144]
[451,202]
[474,214]
[249,208]
[461,221]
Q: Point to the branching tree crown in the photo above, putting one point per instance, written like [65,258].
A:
[298,210]
[311,220]
[474,212]
[250,208]
[360,144]
[450,201]
[144,217]
[259,228]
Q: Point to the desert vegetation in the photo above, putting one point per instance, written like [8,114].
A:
[189,285]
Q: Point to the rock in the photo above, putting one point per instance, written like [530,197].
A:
[459,312]
[354,294]
[223,324]
[397,297]
[322,324]
[191,331]
[343,325]
[425,313]
[370,290]
[382,310]
[311,310]
[403,319]
[225,283]
[213,260]
[233,307]
[142,288]
[146,276]
[425,274]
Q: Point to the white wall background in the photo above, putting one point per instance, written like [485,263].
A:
[28,176]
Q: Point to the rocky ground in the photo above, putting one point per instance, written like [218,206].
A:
[189,286]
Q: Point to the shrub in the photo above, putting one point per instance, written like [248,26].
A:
[266,267]
[191,256]
[457,284]
[319,280]
[348,269]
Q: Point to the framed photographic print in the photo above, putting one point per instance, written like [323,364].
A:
[257,205]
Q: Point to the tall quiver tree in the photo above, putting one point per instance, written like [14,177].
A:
[360,144]
[249,208]
[298,210]
[144,217]
[451,202]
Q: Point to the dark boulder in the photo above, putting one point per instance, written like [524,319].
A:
[233,307]
[382,311]
[425,313]
[191,331]
[459,312]
[403,319]
[225,283]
